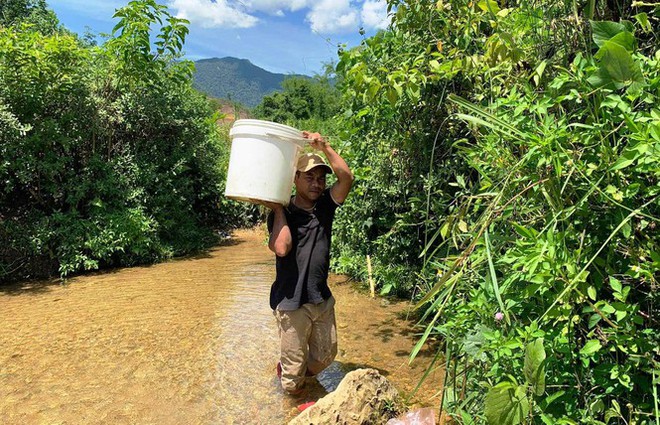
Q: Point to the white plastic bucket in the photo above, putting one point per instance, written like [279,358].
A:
[262,161]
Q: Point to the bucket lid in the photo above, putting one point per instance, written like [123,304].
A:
[267,128]
[268,125]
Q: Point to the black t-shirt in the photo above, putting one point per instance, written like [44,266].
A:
[302,275]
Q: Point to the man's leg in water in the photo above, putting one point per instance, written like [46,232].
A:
[294,327]
[323,337]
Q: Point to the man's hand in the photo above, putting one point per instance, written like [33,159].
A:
[315,140]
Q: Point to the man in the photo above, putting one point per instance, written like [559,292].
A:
[300,237]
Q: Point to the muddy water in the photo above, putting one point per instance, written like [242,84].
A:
[190,341]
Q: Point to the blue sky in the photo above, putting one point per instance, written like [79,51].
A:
[294,36]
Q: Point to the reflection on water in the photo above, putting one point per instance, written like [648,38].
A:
[191,341]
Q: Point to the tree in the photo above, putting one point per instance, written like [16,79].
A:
[300,99]
[35,12]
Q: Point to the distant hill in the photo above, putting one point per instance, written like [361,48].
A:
[236,80]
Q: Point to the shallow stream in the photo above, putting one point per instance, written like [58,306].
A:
[190,341]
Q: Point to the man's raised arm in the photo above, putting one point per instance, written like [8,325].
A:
[340,189]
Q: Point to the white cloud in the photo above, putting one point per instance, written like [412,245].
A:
[212,14]
[273,6]
[332,16]
[374,14]
[323,16]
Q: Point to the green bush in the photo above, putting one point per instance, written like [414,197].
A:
[108,156]
[507,156]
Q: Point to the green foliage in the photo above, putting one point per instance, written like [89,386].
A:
[130,51]
[534,368]
[300,99]
[617,67]
[506,404]
[511,403]
[507,155]
[108,156]
[28,12]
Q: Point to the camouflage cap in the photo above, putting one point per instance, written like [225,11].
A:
[309,161]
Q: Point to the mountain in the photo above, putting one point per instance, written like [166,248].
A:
[236,80]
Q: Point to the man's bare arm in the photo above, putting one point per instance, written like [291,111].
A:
[342,187]
[280,241]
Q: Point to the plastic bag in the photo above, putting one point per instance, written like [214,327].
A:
[423,416]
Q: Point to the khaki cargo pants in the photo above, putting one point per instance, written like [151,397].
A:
[308,341]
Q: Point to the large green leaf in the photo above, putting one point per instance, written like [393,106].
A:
[619,63]
[626,159]
[626,40]
[590,347]
[605,30]
[601,79]
[489,6]
[506,404]
[534,368]
[643,21]
[617,67]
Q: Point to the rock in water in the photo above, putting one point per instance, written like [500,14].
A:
[363,397]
